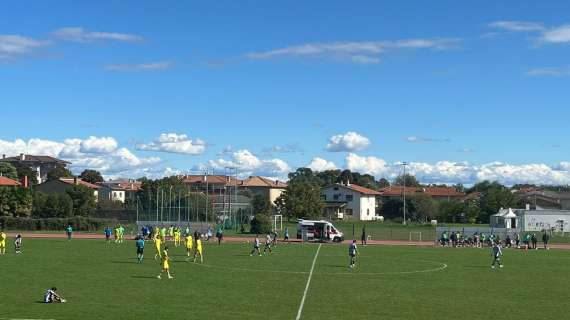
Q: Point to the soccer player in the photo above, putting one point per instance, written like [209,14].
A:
[157,245]
[209,233]
[165,265]
[51,296]
[255,246]
[177,237]
[199,251]
[363,237]
[352,253]
[497,253]
[163,234]
[220,235]
[18,244]
[69,231]
[140,248]
[189,244]
[545,239]
[107,234]
[3,238]
[121,234]
[286,238]
[267,244]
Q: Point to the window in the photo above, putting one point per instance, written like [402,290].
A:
[336,197]
[324,197]
[349,211]
[367,211]
[349,197]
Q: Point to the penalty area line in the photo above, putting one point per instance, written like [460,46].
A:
[308,284]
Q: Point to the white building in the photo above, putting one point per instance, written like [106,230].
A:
[350,201]
[527,220]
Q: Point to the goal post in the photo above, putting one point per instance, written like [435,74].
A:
[415,236]
[277,222]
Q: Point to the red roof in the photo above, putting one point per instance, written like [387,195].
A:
[7,182]
[430,191]
[211,179]
[359,189]
[80,182]
[258,181]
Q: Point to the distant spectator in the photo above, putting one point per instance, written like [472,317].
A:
[363,236]
[545,239]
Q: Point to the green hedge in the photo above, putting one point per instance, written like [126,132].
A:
[78,223]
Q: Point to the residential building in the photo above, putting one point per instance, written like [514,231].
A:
[270,189]
[8,183]
[350,201]
[542,199]
[42,165]
[436,193]
[530,220]
[62,185]
[121,190]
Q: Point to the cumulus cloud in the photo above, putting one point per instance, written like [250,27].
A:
[363,52]
[320,164]
[248,164]
[175,143]
[517,26]
[12,46]
[102,154]
[557,35]
[79,34]
[449,172]
[151,66]
[350,141]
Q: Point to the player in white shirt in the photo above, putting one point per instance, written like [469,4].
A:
[255,246]
[267,244]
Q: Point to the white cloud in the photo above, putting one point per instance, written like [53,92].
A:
[557,35]
[248,164]
[100,154]
[517,26]
[175,143]
[152,66]
[320,164]
[12,46]
[416,139]
[79,34]
[350,141]
[358,52]
[549,72]
[99,145]
[449,172]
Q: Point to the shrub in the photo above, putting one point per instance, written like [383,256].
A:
[78,223]
[260,224]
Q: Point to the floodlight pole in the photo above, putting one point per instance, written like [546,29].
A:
[404,164]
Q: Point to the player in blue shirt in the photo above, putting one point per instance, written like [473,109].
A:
[108,233]
[140,248]
[353,252]
[69,231]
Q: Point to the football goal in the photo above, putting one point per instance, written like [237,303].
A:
[415,236]
[277,222]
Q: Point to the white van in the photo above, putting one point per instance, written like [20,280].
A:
[318,230]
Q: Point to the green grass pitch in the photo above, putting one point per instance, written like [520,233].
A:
[102,280]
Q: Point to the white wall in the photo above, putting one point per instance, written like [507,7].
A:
[360,205]
[540,221]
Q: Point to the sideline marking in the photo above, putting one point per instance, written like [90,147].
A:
[308,283]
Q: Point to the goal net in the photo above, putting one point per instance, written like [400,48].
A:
[415,236]
[277,222]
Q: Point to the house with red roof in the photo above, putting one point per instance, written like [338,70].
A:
[436,193]
[61,185]
[350,201]
[8,183]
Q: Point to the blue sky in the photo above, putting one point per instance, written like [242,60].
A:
[464,91]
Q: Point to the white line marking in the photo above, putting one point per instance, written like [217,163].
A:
[308,283]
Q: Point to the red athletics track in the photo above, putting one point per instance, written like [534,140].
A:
[77,235]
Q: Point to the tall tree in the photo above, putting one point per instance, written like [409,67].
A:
[300,199]
[383,183]
[261,205]
[8,170]
[59,172]
[83,200]
[91,176]
[408,179]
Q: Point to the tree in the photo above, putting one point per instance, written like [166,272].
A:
[52,205]
[383,183]
[83,200]
[91,176]
[423,207]
[300,199]
[15,202]
[260,224]
[8,170]
[408,179]
[59,172]
[25,171]
[261,205]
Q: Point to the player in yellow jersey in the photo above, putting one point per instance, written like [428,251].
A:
[165,264]
[189,244]
[177,237]
[3,237]
[199,251]
[157,244]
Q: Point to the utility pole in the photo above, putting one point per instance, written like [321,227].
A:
[404,164]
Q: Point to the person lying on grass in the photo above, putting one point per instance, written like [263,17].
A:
[51,296]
